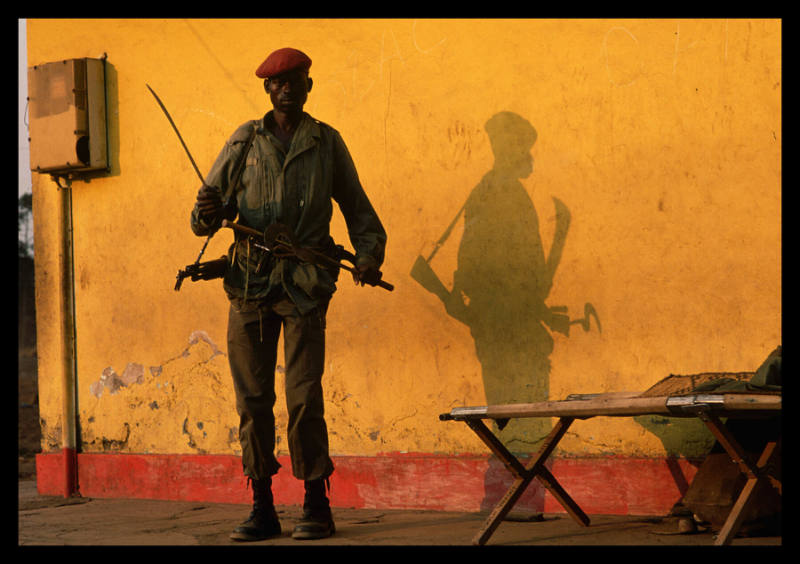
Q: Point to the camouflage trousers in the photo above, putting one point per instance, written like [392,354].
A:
[253,332]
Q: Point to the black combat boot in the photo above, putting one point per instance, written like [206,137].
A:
[263,522]
[317,519]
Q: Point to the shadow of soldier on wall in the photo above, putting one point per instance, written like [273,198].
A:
[503,279]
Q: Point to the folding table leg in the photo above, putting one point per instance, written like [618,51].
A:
[558,492]
[755,474]
[524,475]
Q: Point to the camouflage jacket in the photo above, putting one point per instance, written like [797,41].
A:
[295,188]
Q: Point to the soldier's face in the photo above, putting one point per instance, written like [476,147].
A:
[288,92]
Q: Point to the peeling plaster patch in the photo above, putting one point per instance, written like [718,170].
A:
[187,433]
[111,381]
[191,439]
[108,380]
[195,338]
[166,410]
[96,389]
[116,444]
[198,336]
[374,435]
[133,374]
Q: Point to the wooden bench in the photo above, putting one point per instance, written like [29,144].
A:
[708,407]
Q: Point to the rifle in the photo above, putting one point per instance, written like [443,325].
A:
[208,270]
[279,240]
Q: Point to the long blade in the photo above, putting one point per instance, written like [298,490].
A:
[194,165]
[172,123]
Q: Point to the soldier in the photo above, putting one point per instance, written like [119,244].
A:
[295,167]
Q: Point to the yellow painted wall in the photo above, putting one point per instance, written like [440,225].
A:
[661,139]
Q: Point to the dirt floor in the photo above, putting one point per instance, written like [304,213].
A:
[55,521]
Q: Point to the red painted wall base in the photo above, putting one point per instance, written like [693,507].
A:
[610,486]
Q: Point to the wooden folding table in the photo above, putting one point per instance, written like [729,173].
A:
[707,407]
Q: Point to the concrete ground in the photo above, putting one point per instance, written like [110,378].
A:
[49,520]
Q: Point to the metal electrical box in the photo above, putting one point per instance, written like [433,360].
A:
[67,116]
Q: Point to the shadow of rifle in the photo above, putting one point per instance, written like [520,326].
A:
[557,319]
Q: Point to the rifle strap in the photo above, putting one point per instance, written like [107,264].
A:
[239,170]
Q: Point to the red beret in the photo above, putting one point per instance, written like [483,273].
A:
[283,60]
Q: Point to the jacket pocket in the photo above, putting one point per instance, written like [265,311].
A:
[253,182]
[256,262]
[316,282]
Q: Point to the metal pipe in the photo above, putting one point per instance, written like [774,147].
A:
[69,373]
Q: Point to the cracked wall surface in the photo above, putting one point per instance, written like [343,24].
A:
[183,405]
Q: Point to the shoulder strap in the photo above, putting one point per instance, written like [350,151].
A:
[237,175]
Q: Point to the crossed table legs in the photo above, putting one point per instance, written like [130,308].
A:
[524,475]
[755,473]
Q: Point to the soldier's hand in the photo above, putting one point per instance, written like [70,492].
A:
[366,274]
[209,202]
